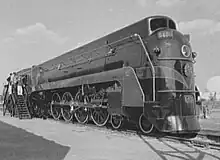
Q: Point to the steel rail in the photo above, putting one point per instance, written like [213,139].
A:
[196,142]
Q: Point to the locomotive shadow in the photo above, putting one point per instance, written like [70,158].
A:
[17,143]
[178,153]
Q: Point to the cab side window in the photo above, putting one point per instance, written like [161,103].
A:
[172,25]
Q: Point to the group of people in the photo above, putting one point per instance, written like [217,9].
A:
[14,84]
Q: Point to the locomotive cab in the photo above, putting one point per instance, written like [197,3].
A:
[174,108]
[160,22]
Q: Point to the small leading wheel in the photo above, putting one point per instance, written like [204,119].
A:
[116,121]
[55,111]
[67,116]
[144,124]
[100,116]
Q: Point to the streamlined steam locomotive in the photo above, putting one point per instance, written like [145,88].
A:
[141,74]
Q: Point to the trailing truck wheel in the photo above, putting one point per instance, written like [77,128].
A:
[67,116]
[37,110]
[144,124]
[116,121]
[55,111]
[100,116]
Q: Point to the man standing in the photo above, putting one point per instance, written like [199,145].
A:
[19,86]
[9,78]
[14,82]
[205,106]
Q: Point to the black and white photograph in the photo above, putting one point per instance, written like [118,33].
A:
[109,80]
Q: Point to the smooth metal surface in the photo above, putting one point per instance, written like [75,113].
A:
[151,64]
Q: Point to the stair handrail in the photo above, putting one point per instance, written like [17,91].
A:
[5,94]
[14,100]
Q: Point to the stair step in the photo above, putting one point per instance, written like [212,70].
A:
[22,107]
[22,111]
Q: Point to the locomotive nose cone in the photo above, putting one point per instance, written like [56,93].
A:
[175,123]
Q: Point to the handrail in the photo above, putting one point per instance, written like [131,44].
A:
[5,92]
[25,72]
[178,91]
[151,64]
[122,39]
[71,65]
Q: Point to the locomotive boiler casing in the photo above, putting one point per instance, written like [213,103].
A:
[98,62]
[107,53]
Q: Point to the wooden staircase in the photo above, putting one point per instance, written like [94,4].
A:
[22,110]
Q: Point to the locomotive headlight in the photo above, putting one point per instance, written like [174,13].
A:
[188,70]
[156,50]
[188,98]
[185,50]
[194,54]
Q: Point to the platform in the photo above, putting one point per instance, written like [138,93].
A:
[90,143]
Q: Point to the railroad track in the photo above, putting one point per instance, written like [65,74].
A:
[208,141]
[198,142]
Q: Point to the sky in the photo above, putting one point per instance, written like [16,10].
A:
[33,31]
